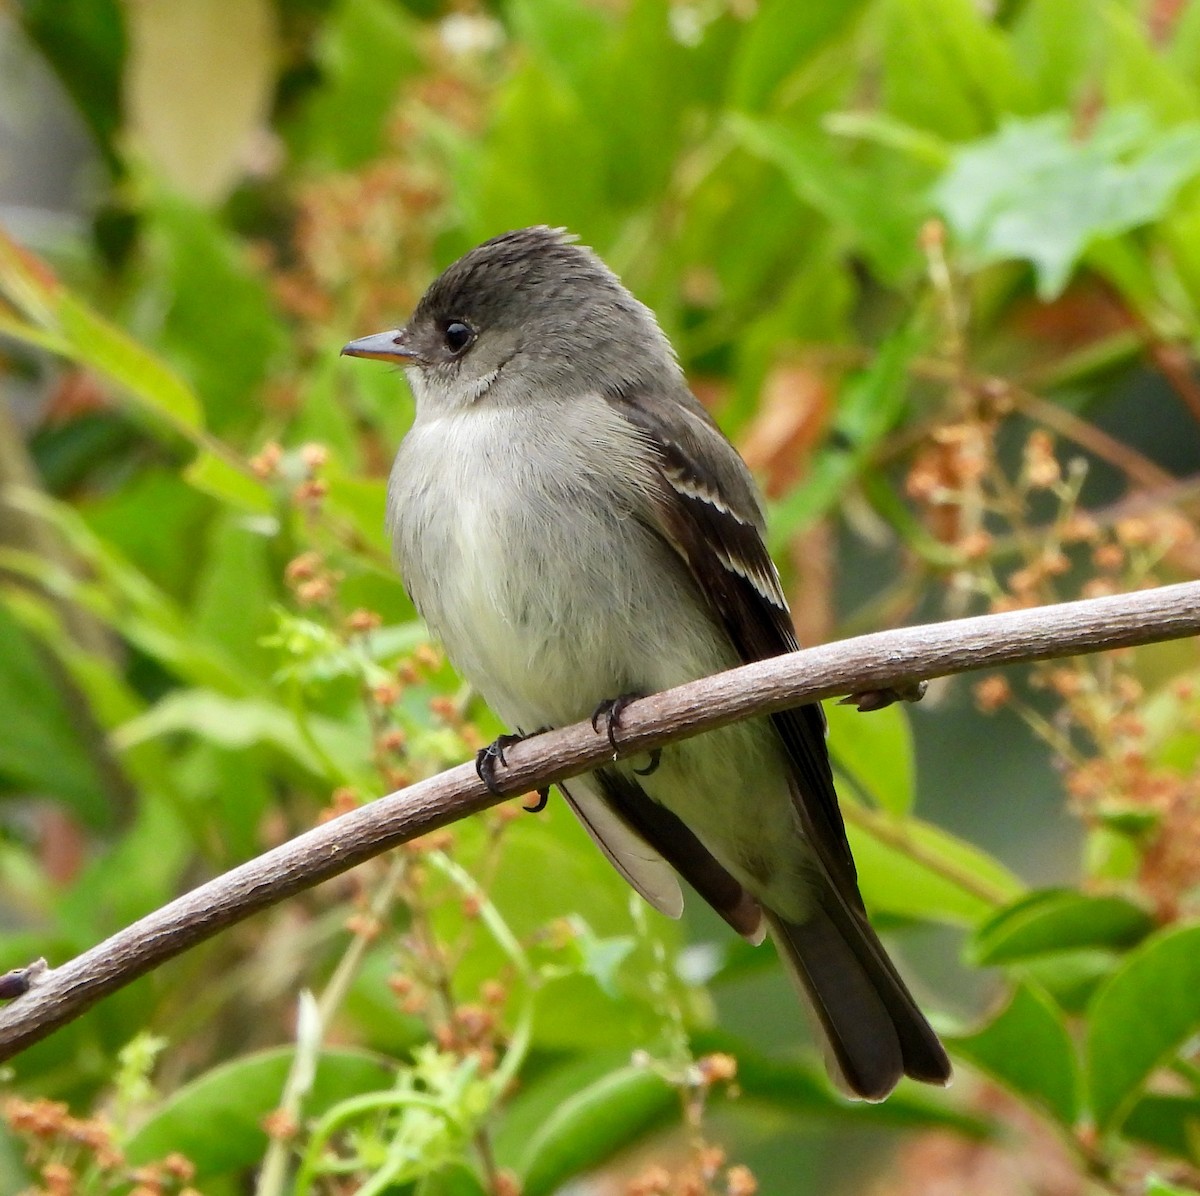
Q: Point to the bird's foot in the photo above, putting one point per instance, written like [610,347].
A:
[877,699]
[487,758]
[610,712]
[543,796]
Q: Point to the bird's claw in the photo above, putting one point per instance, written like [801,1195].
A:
[543,796]
[876,699]
[610,711]
[487,758]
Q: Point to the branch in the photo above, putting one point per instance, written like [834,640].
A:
[888,659]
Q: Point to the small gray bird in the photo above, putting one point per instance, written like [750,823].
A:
[576,530]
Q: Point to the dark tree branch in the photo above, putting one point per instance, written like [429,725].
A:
[884,660]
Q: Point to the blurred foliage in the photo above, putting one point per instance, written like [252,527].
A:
[905,250]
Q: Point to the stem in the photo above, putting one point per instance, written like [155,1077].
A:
[889,659]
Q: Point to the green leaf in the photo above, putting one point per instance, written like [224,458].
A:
[364,51]
[1139,1018]
[455,1180]
[155,388]
[914,870]
[219,477]
[1070,977]
[947,69]
[1036,193]
[84,41]
[196,259]
[1167,1123]
[779,42]
[876,751]
[241,723]
[216,1120]
[602,957]
[91,341]
[835,187]
[1137,72]
[1026,1047]
[870,405]
[41,749]
[1160,1187]
[593,1124]
[1053,920]
[1056,42]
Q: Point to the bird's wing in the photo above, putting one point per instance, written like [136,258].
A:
[640,863]
[648,845]
[706,508]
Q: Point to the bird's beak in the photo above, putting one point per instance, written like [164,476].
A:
[383,346]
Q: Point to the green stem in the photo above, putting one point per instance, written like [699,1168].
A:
[889,831]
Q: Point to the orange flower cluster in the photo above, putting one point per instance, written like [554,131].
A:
[1120,773]
[66,1152]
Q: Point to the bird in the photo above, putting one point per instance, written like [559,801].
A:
[576,531]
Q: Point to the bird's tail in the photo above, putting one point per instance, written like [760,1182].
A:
[874,1032]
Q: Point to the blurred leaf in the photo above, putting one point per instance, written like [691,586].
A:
[1139,1018]
[1056,42]
[1167,1123]
[916,870]
[123,597]
[592,1124]
[90,341]
[1160,1187]
[1034,192]
[1027,1048]
[561,35]
[1184,48]
[40,748]
[235,589]
[455,1180]
[204,291]
[804,1089]
[876,751]
[603,957]
[947,69]
[362,502]
[638,96]
[552,873]
[539,165]
[779,42]
[1138,72]
[241,723]
[882,130]
[84,41]
[870,405]
[1057,920]
[216,1120]
[840,190]
[1070,977]
[364,52]
[133,876]
[219,477]
[153,545]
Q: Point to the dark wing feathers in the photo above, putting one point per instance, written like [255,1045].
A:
[683,851]
[709,514]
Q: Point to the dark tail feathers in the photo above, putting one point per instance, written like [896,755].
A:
[873,1029]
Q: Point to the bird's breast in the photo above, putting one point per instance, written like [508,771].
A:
[531,563]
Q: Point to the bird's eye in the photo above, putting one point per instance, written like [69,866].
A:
[457,335]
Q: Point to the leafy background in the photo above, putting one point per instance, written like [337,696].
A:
[934,266]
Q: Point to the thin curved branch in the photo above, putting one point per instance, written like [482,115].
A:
[888,659]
